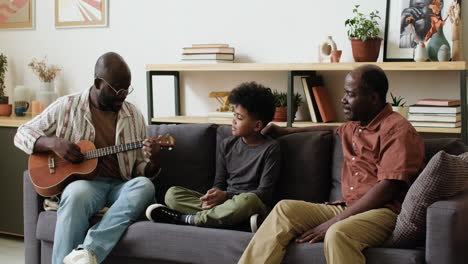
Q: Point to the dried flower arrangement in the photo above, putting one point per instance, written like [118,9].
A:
[45,73]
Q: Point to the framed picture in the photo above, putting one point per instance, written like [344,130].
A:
[16,14]
[81,13]
[407,23]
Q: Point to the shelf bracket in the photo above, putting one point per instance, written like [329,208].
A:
[464,106]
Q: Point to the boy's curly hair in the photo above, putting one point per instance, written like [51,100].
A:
[256,98]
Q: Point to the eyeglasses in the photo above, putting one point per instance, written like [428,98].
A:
[119,93]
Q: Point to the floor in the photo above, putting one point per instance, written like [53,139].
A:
[11,249]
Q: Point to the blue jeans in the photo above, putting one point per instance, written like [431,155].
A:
[82,199]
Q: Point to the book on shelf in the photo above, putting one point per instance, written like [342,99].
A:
[203,50]
[435,118]
[213,45]
[424,109]
[436,124]
[212,56]
[438,102]
[324,104]
[206,61]
[313,110]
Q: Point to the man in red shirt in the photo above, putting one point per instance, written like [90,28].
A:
[383,155]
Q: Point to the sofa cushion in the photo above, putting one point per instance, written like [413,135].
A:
[445,175]
[453,146]
[191,164]
[337,167]
[305,166]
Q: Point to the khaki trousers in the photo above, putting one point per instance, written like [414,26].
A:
[232,212]
[344,241]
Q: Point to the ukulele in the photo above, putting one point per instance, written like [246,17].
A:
[50,173]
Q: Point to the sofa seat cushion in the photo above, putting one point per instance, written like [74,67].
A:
[313,253]
[187,244]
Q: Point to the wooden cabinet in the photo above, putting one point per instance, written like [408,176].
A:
[300,69]
[13,162]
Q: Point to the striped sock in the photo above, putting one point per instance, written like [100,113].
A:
[188,219]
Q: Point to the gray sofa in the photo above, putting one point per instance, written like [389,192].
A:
[311,168]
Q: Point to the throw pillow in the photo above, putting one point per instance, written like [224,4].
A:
[445,175]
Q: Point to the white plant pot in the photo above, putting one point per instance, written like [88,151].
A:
[402,110]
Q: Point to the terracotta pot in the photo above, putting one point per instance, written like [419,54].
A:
[281,114]
[5,109]
[365,51]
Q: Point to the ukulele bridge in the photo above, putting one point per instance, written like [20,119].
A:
[51,164]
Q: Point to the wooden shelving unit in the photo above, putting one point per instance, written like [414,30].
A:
[14,121]
[387,66]
[301,69]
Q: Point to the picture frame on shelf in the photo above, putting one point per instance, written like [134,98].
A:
[81,13]
[401,37]
[17,14]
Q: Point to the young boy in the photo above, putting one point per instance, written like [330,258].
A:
[247,167]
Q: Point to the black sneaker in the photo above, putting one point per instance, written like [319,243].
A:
[161,213]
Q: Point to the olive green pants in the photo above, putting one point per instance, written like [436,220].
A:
[230,213]
[344,240]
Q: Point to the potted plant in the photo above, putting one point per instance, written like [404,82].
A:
[5,108]
[363,32]
[281,105]
[399,106]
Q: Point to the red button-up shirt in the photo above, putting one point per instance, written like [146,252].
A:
[387,148]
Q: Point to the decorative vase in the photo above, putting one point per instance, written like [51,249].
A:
[436,41]
[336,55]
[326,49]
[420,52]
[46,94]
[444,53]
[365,51]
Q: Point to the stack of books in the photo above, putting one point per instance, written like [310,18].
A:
[318,99]
[208,53]
[435,113]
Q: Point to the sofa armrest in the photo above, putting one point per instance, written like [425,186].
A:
[32,206]
[447,230]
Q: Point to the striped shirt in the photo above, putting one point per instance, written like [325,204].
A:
[69,117]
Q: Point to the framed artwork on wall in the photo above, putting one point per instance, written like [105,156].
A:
[16,14]
[407,24]
[81,13]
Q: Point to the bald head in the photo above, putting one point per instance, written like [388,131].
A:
[371,78]
[113,68]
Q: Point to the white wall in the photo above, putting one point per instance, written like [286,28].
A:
[154,32]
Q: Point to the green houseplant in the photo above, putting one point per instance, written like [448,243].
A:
[5,108]
[363,32]
[281,104]
[398,105]
[3,70]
